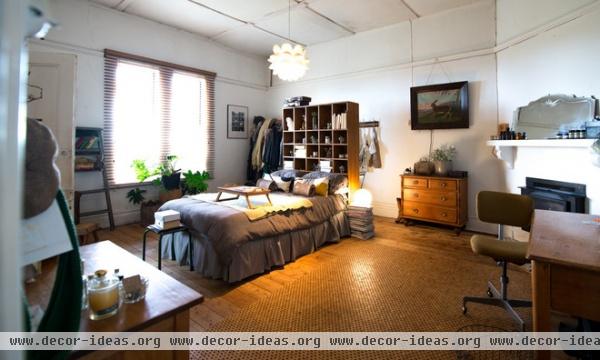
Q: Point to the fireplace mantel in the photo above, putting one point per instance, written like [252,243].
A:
[506,150]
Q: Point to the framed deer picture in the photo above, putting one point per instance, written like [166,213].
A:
[440,106]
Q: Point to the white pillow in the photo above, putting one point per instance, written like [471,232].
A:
[282,185]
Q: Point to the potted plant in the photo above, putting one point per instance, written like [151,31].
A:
[195,182]
[169,179]
[147,208]
[442,159]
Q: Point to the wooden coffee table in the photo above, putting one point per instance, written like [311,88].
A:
[245,191]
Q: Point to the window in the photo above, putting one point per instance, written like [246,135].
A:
[153,109]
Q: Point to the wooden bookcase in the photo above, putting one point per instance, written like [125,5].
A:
[314,128]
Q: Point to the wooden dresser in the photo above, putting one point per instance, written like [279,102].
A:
[441,200]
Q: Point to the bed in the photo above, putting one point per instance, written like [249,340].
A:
[231,244]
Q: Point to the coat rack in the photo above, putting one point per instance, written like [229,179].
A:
[368,124]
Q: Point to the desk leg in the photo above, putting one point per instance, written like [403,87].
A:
[540,285]
[219,196]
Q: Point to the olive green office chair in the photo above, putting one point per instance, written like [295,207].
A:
[502,209]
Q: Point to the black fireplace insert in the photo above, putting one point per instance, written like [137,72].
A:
[555,195]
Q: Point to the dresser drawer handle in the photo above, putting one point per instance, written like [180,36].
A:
[416,211]
[415,182]
[444,184]
[445,214]
[443,198]
[416,195]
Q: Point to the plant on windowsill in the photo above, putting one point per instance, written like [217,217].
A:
[147,208]
[169,179]
[195,182]
[442,159]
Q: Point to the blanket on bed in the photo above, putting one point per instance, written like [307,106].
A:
[261,207]
[228,228]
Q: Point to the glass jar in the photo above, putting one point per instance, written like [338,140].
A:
[103,295]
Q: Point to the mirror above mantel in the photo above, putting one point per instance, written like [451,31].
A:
[551,115]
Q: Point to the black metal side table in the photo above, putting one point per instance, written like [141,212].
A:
[161,232]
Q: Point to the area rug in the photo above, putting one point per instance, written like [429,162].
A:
[375,287]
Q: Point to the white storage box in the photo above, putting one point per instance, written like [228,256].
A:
[163,217]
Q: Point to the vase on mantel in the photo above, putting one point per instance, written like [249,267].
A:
[442,168]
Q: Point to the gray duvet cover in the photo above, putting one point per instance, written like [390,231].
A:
[227,228]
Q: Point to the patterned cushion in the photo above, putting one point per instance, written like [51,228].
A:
[279,182]
[304,187]
[336,181]
[289,173]
[321,185]
[266,184]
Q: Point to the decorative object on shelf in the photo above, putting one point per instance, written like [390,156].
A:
[441,106]
[237,122]
[313,139]
[328,153]
[315,124]
[315,154]
[328,126]
[289,123]
[442,159]
[297,101]
[289,62]
[424,167]
[341,139]
[342,169]
[327,140]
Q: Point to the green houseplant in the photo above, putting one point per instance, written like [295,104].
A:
[164,174]
[195,182]
[147,208]
[442,159]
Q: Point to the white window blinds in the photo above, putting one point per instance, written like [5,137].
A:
[153,109]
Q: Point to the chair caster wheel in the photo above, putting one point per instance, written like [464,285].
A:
[464,310]
[489,293]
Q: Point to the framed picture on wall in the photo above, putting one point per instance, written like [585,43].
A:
[237,122]
[440,106]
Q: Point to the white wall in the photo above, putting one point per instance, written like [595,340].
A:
[374,69]
[541,47]
[86,29]
[562,60]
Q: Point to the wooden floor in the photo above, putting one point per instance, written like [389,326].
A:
[223,300]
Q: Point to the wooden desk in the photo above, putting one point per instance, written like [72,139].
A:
[165,308]
[564,249]
[245,191]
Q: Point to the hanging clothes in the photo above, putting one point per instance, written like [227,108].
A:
[369,155]
[258,147]
[251,173]
[272,148]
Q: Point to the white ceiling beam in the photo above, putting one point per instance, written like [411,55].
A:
[124,4]
[415,14]
[303,2]
[245,22]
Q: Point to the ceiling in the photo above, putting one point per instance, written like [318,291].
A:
[254,26]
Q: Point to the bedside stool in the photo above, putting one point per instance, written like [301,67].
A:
[161,232]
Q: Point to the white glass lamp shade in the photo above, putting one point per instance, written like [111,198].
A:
[288,62]
[362,198]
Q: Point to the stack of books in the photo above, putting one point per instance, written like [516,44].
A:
[86,143]
[339,121]
[167,219]
[361,222]
[300,151]
[288,165]
[325,165]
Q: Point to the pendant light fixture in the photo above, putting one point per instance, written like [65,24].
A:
[288,61]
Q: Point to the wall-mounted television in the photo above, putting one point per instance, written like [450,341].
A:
[440,106]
